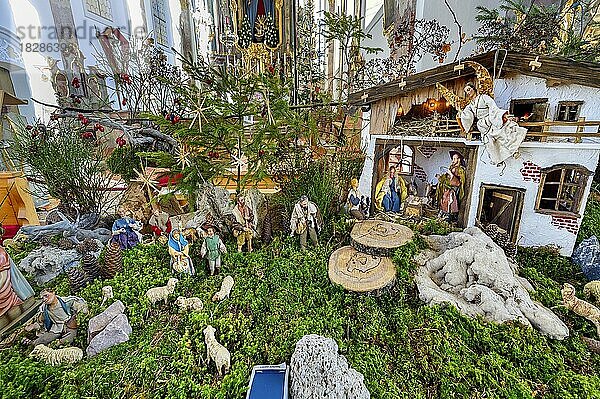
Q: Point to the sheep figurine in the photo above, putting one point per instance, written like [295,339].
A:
[107,293]
[158,294]
[215,351]
[225,290]
[592,289]
[56,357]
[580,307]
[192,303]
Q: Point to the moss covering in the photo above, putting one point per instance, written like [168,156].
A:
[404,349]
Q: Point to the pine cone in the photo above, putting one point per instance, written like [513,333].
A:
[90,266]
[113,261]
[46,241]
[77,279]
[90,244]
[65,244]
[81,248]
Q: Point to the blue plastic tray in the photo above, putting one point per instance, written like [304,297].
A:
[268,382]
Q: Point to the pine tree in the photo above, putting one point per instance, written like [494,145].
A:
[271,35]
[245,37]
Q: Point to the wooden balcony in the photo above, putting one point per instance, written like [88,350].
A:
[563,129]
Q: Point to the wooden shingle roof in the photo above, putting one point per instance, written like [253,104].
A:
[560,70]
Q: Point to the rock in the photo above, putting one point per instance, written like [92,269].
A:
[587,257]
[116,332]
[45,263]
[468,270]
[100,321]
[318,371]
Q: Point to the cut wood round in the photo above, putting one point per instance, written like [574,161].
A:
[360,272]
[379,238]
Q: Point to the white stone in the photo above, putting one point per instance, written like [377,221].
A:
[468,270]
[318,371]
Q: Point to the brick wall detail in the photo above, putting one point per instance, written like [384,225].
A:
[427,151]
[531,172]
[420,173]
[571,224]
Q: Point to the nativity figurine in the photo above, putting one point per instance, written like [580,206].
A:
[179,249]
[58,318]
[159,222]
[357,204]
[126,230]
[212,248]
[500,132]
[306,221]
[244,224]
[390,192]
[14,290]
[451,188]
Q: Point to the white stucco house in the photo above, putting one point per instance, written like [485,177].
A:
[537,197]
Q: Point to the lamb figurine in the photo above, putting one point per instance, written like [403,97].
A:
[107,293]
[215,351]
[56,357]
[192,303]
[592,289]
[225,290]
[158,294]
[582,308]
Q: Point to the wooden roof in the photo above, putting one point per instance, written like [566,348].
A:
[559,69]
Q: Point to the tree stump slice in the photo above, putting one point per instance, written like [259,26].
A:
[360,272]
[379,238]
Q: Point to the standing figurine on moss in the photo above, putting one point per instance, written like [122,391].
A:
[126,230]
[243,228]
[179,249]
[212,248]
[306,221]
[357,203]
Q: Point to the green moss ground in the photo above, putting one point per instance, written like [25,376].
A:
[403,348]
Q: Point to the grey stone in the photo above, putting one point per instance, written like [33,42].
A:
[116,332]
[318,371]
[468,270]
[587,257]
[100,321]
[45,263]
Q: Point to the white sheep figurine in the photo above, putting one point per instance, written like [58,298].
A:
[158,294]
[107,293]
[192,303]
[225,290]
[217,352]
[592,289]
[56,357]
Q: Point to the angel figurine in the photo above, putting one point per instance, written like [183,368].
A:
[500,132]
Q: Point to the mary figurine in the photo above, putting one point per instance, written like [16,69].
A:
[179,249]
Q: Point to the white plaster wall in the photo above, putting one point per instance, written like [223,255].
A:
[465,14]
[375,29]
[437,164]
[368,147]
[535,228]
[523,86]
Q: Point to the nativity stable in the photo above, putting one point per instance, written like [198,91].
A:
[445,131]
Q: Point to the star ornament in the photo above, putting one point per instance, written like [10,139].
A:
[146,180]
[183,156]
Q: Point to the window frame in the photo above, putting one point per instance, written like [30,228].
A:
[166,21]
[402,158]
[90,14]
[576,202]
[568,104]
